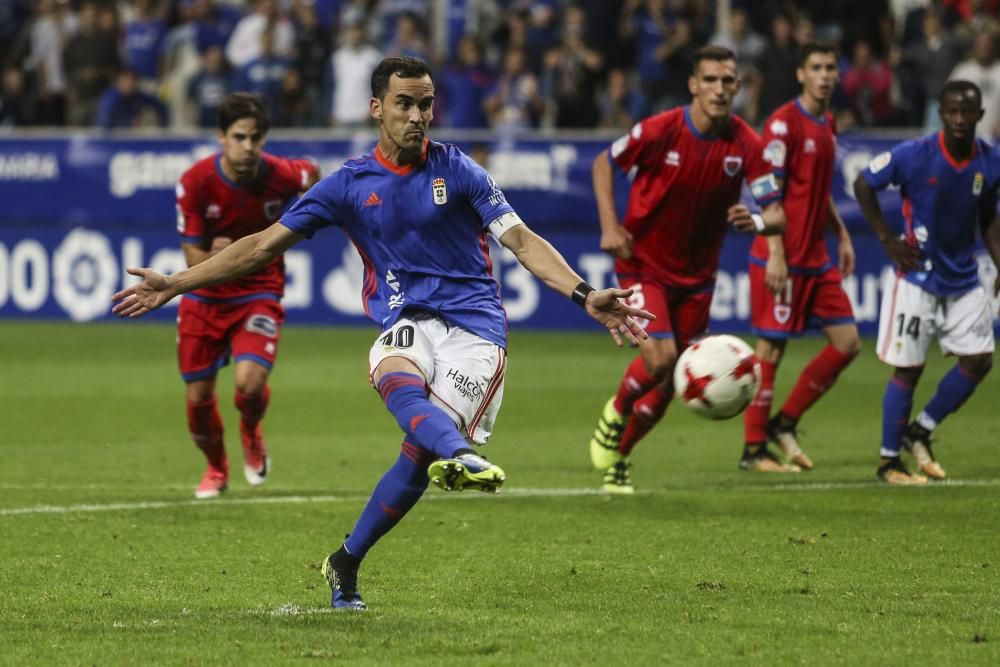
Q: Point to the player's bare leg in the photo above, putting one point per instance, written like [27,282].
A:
[205,426]
[251,400]
[757,422]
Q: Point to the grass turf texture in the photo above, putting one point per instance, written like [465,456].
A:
[707,565]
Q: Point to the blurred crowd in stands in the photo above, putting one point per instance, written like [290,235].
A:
[501,64]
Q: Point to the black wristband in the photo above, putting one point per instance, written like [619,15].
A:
[580,293]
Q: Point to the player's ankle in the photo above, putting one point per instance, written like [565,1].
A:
[785,422]
[753,448]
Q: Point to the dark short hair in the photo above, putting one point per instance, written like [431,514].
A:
[243,105]
[404,67]
[816,46]
[711,52]
[961,87]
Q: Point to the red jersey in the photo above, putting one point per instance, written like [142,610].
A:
[683,182]
[802,149]
[210,205]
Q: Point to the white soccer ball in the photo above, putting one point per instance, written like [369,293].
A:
[717,376]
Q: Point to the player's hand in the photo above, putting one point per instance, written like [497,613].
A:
[739,217]
[617,242]
[902,253]
[139,299]
[846,257]
[220,242]
[775,273]
[606,306]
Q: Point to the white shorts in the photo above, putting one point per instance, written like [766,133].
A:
[912,316]
[464,372]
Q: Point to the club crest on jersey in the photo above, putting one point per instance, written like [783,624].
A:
[775,152]
[977,184]
[440,191]
[213,211]
[810,146]
[673,159]
[272,207]
[782,311]
[731,164]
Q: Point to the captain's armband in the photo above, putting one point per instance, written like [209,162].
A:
[504,223]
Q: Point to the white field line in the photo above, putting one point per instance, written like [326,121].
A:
[507,493]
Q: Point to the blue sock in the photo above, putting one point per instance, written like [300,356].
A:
[425,424]
[953,390]
[396,493]
[896,404]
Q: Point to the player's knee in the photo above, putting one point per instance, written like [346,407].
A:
[199,392]
[850,348]
[250,385]
[977,365]
[908,376]
[661,366]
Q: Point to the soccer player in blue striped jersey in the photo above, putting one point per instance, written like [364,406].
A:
[419,213]
[949,182]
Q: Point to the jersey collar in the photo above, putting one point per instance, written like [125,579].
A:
[955,164]
[403,170]
[233,184]
[693,129]
[821,120]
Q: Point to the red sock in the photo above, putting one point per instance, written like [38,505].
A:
[646,413]
[252,409]
[205,425]
[818,376]
[759,411]
[635,384]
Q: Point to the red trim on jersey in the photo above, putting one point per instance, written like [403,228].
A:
[370,282]
[955,164]
[892,314]
[908,221]
[401,170]
[484,246]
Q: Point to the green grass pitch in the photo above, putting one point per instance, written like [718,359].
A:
[107,559]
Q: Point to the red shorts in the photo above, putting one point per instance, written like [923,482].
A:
[808,300]
[681,313]
[209,333]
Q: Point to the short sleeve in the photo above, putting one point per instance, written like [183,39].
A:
[886,168]
[779,143]
[635,150]
[759,172]
[483,193]
[320,207]
[190,216]
[305,172]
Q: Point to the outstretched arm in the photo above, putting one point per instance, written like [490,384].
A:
[900,252]
[248,254]
[545,263]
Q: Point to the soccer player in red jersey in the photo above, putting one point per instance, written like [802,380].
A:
[224,197]
[800,144]
[687,166]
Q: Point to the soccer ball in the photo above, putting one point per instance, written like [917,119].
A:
[717,376]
